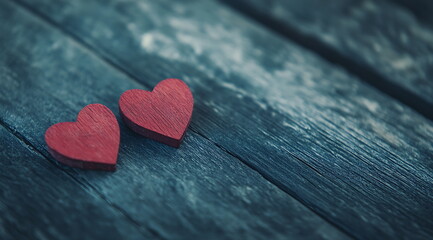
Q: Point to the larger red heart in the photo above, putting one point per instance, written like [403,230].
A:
[163,114]
[92,142]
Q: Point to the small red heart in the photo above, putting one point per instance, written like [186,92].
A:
[92,142]
[162,115]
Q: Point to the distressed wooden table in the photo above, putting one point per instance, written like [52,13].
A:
[312,120]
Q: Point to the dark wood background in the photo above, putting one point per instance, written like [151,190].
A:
[312,119]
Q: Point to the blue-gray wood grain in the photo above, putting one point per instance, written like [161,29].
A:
[40,201]
[353,155]
[379,41]
[421,9]
[197,191]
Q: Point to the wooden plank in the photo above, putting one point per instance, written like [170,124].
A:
[196,191]
[380,42]
[353,155]
[38,201]
[421,9]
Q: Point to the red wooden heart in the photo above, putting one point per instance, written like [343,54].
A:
[92,142]
[163,114]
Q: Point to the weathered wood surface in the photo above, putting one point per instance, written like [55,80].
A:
[196,191]
[353,155]
[379,41]
[40,201]
[421,9]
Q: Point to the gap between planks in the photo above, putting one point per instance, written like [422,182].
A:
[365,73]
[99,55]
[83,183]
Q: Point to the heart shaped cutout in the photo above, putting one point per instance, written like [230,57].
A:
[92,142]
[163,114]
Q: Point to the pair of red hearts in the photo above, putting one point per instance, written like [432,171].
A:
[92,142]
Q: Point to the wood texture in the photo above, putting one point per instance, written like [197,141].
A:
[162,115]
[421,9]
[196,191]
[379,41]
[356,157]
[92,142]
[40,201]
